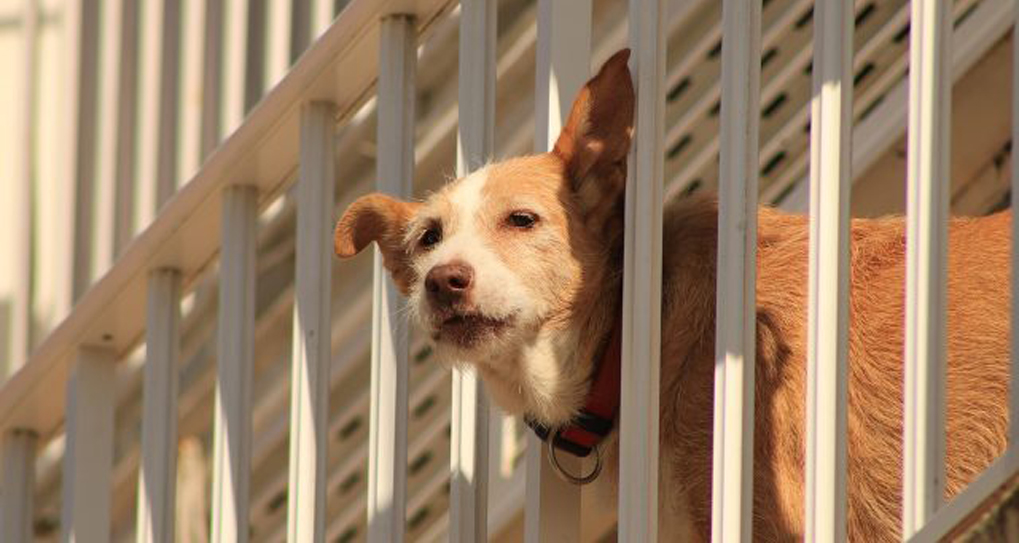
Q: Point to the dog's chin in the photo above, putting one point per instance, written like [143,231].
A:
[469,333]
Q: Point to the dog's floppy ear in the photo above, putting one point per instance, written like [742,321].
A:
[379,218]
[594,143]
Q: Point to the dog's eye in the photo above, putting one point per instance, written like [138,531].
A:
[522,219]
[430,237]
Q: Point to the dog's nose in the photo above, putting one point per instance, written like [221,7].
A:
[449,283]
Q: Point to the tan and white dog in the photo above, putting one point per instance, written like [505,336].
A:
[515,269]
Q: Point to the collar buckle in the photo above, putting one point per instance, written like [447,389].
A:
[579,480]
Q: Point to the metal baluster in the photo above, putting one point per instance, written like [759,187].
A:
[552,507]
[732,472]
[234,97]
[828,347]
[156,181]
[18,486]
[236,342]
[387,458]
[309,405]
[642,280]
[157,472]
[468,515]
[88,453]
[192,40]
[926,261]
[21,222]
[277,57]
[83,42]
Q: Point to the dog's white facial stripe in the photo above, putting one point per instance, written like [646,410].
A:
[466,197]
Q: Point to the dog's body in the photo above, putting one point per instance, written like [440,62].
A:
[515,269]
[977,363]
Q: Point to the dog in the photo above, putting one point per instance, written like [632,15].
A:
[515,270]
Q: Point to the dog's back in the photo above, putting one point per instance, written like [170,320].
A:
[978,321]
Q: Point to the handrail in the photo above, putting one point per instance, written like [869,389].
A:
[340,67]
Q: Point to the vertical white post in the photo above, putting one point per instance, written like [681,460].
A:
[88,454]
[828,348]
[104,248]
[277,50]
[127,129]
[212,78]
[157,153]
[926,261]
[18,485]
[387,458]
[300,13]
[234,49]
[21,263]
[642,280]
[321,17]
[1013,390]
[83,39]
[309,374]
[733,461]
[192,40]
[468,509]
[552,507]
[157,470]
[236,343]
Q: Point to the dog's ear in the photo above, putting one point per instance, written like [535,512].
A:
[594,143]
[379,218]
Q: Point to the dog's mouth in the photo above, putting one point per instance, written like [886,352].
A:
[469,329]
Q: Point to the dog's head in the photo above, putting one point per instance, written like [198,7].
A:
[507,253]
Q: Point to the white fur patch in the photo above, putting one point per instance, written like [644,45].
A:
[466,195]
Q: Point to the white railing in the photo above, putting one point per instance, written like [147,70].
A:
[293,128]
[387,457]
[552,507]
[107,322]
[735,339]
[828,319]
[642,280]
[475,142]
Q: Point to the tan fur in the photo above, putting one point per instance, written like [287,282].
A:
[977,362]
[565,280]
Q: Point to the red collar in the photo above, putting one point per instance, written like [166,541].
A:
[597,418]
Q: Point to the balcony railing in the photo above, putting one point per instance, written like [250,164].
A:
[285,145]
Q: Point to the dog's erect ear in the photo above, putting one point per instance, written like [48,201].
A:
[597,136]
[379,218]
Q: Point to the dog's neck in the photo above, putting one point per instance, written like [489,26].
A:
[548,377]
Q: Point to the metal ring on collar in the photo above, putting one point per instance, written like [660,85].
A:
[563,474]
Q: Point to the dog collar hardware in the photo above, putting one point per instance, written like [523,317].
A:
[578,480]
[595,421]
